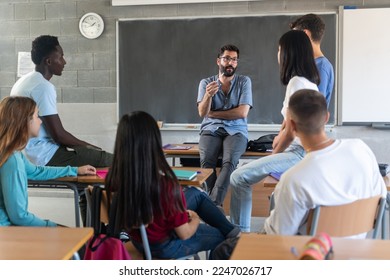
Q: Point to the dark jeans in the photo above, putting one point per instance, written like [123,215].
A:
[208,235]
[211,146]
[79,157]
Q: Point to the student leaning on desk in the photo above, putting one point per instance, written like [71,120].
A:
[19,121]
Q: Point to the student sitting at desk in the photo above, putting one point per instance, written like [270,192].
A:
[333,172]
[54,146]
[19,121]
[149,193]
[297,71]
[223,102]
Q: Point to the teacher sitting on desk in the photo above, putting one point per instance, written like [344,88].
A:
[224,101]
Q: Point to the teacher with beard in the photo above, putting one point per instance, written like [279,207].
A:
[224,101]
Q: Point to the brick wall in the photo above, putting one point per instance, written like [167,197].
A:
[90,75]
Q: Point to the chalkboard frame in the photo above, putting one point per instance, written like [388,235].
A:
[207,58]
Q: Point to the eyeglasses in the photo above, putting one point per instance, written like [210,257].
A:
[228,59]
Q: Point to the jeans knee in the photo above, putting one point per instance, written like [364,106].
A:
[235,179]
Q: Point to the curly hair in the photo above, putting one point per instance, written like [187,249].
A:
[42,46]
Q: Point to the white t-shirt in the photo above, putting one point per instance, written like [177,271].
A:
[341,173]
[296,83]
[41,149]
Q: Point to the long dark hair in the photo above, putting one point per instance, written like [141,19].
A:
[297,57]
[140,175]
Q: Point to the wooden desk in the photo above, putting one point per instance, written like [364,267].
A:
[193,152]
[199,180]
[41,243]
[254,246]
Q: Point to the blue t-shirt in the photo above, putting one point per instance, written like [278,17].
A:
[325,69]
[240,93]
[41,149]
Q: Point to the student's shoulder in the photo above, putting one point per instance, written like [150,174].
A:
[14,160]
[323,63]
[353,142]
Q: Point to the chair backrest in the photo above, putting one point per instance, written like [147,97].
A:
[350,219]
[103,205]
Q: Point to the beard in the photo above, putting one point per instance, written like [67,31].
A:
[227,71]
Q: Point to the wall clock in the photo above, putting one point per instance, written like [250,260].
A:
[91,25]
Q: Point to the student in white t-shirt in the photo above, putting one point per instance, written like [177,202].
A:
[333,172]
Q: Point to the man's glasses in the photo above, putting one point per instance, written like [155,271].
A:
[228,59]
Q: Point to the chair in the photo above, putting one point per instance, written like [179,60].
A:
[104,220]
[354,218]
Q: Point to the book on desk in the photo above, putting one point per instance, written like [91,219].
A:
[182,174]
[176,147]
[276,175]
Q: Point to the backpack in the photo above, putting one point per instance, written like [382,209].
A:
[105,244]
[261,144]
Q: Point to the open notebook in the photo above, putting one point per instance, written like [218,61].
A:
[184,174]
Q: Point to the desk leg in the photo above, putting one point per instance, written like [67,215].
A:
[60,185]
[76,205]
[387,207]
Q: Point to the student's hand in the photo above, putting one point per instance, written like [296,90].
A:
[192,215]
[86,170]
[275,142]
[212,88]
[93,147]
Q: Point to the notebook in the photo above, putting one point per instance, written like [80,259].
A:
[276,175]
[184,174]
[102,173]
[176,147]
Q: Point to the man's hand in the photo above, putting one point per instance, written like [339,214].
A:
[92,147]
[212,89]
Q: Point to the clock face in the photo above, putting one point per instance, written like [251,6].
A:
[91,25]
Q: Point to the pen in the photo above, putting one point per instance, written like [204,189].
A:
[294,251]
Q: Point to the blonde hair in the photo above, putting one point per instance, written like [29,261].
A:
[15,114]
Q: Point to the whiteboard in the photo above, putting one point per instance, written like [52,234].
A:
[365,66]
